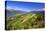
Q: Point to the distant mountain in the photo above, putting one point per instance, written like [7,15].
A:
[12,12]
[40,12]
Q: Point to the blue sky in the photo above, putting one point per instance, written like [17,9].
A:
[24,6]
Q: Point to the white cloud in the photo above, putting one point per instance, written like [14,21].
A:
[38,9]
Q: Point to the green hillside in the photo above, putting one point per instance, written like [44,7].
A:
[25,21]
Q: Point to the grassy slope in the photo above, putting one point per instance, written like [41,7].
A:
[25,21]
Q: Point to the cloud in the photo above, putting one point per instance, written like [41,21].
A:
[39,9]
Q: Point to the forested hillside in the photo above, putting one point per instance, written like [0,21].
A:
[25,21]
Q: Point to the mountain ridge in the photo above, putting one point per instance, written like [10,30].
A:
[14,12]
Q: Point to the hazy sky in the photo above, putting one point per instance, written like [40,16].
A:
[24,6]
